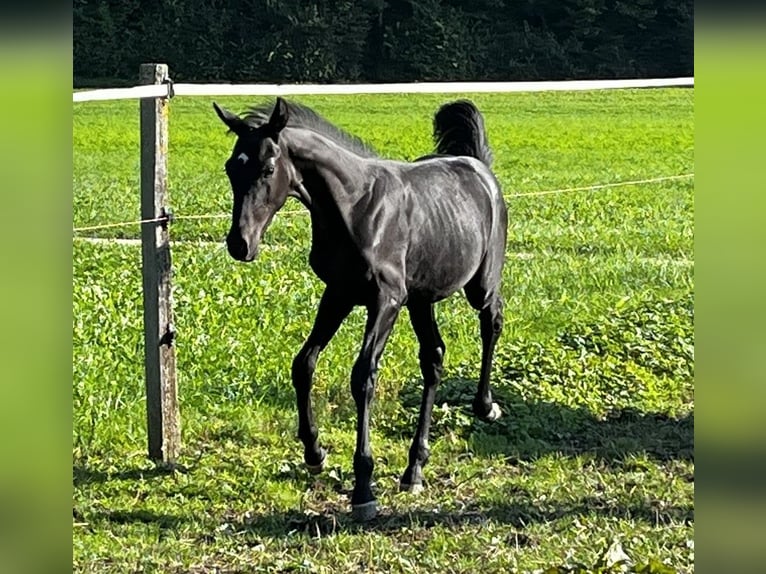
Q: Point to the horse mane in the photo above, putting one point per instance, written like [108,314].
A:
[300,116]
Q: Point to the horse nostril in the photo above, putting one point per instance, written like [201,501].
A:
[237,247]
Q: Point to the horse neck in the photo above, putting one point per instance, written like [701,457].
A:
[332,176]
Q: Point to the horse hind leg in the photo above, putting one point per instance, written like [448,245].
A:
[490,307]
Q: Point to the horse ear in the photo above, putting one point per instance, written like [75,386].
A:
[278,119]
[235,123]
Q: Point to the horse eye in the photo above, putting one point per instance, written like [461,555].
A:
[268,169]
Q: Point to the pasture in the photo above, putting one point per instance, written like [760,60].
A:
[593,372]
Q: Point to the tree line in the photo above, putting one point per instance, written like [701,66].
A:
[382,40]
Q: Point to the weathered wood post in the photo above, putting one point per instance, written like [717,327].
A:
[163,421]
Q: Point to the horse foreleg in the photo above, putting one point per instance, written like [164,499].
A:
[333,309]
[380,320]
[431,358]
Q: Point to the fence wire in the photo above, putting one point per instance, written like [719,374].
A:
[175,217]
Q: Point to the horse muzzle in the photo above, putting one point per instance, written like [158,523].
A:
[240,249]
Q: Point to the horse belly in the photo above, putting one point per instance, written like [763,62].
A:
[440,265]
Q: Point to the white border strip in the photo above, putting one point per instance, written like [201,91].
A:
[151,91]
[156,91]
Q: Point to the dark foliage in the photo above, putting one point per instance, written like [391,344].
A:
[382,40]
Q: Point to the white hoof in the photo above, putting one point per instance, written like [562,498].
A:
[415,488]
[494,413]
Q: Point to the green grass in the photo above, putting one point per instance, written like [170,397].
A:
[594,370]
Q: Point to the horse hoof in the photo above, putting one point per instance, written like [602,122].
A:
[414,488]
[364,512]
[494,413]
[319,467]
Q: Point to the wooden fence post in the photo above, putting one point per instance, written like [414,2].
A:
[163,421]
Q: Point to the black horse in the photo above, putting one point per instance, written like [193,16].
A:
[385,235]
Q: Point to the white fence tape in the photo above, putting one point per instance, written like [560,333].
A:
[152,91]
[155,91]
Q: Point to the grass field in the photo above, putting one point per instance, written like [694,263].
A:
[594,371]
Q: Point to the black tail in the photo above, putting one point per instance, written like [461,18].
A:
[459,130]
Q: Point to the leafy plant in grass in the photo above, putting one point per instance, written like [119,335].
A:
[657,335]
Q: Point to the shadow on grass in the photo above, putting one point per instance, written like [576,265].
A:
[528,429]
[519,513]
